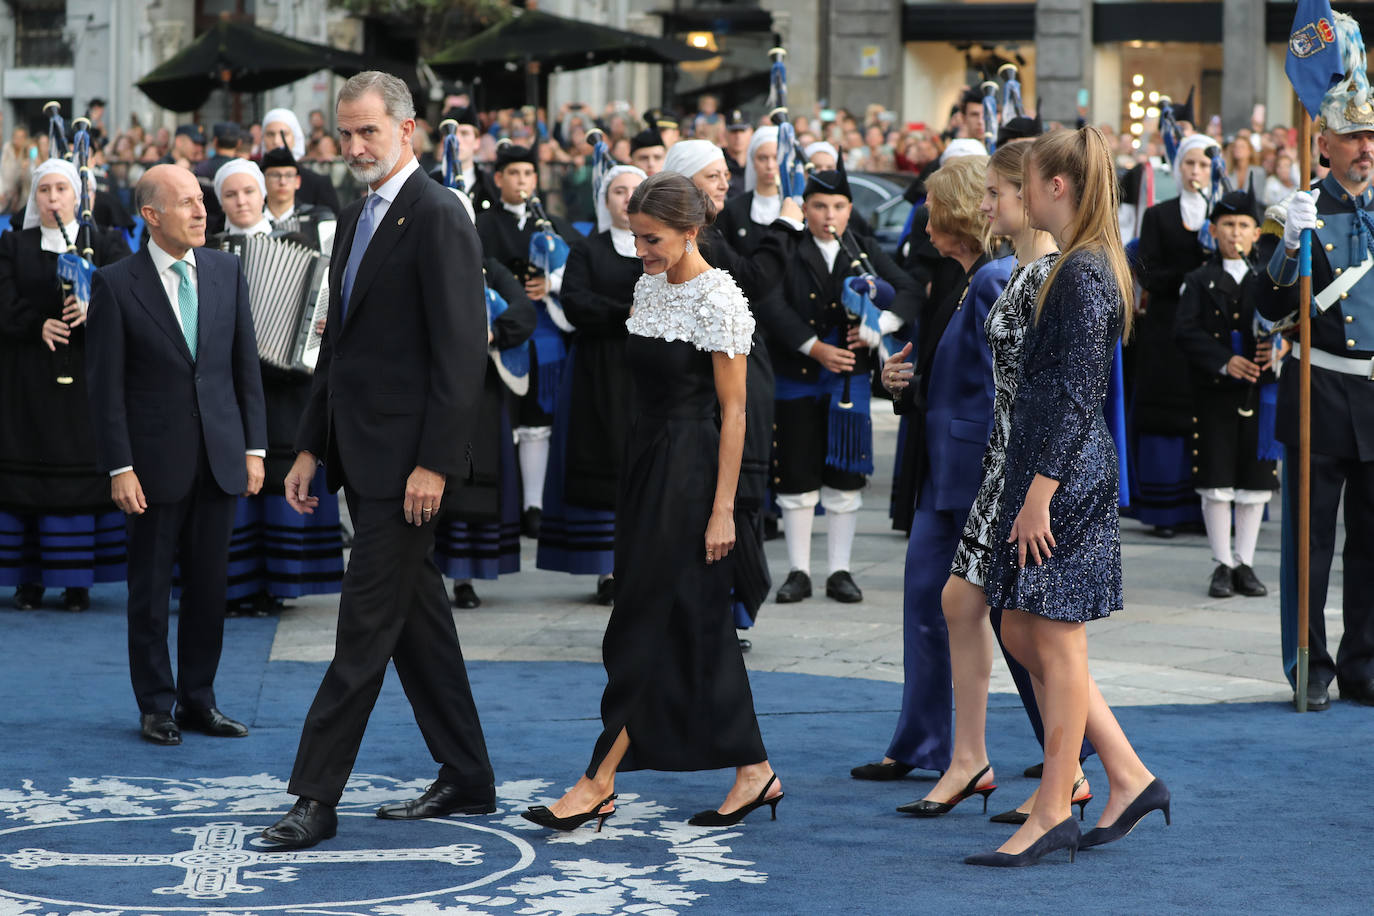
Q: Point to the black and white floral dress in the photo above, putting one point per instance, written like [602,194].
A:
[1006,330]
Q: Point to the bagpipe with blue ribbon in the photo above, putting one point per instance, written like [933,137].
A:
[1262,398]
[450,162]
[548,253]
[74,268]
[1169,129]
[602,161]
[1219,185]
[513,363]
[791,157]
[989,115]
[1012,106]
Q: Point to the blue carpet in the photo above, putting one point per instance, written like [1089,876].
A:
[1271,809]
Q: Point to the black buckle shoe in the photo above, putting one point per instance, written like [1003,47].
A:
[76,599]
[1244,580]
[797,587]
[1221,586]
[28,597]
[465,596]
[840,587]
[307,823]
[1318,696]
[605,592]
[442,799]
[530,521]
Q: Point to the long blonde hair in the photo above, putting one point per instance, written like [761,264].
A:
[1084,159]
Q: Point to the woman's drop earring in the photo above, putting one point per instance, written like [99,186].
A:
[687,249]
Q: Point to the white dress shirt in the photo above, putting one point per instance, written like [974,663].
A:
[171,284]
[388,191]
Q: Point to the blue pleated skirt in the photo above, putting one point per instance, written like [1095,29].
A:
[275,550]
[62,551]
[486,550]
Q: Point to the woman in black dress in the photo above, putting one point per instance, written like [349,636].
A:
[1056,558]
[677,696]
[577,531]
[58,526]
[1162,410]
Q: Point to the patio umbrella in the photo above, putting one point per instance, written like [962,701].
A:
[556,43]
[240,57]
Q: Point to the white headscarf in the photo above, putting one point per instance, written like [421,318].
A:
[48,167]
[238,167]
[821,146]
[963,146]
[287,117]
[687,157]
[603,213]
[761,136]
[1192,204]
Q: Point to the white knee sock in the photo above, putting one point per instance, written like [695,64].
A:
[1248,517]
[534,463]
[1216,515]
[839,539]
[798,517]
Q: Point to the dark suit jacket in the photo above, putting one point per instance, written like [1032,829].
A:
[951,398]
[400,370]
[153,405]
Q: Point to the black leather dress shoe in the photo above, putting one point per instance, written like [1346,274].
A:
[28,597]
[1162,531]
[840,587]
[530,521]
[465,596]
[440,800]
[1221,585]
[210,721]
[307,823]
[1318,696]
[797,587]
[159,728]
[745,645]
[77,599]
[1246,583]
[1361,692]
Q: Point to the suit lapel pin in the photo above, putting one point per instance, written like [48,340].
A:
[401,221]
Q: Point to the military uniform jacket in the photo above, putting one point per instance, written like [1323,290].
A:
[1342,403]
[809,303]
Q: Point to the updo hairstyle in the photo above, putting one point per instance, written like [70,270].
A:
[674,201]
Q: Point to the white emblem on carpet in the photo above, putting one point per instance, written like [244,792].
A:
[99,847]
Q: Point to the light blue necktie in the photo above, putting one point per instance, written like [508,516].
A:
[186,304]
[367,224]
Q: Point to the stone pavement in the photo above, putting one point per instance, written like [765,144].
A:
[1171,644]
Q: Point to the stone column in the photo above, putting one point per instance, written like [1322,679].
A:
[1246,65]
[865,53]
[1063,56]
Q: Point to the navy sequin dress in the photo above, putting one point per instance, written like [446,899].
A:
[1058,430]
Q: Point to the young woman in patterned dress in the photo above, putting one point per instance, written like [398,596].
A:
[971,627]
[1056,556]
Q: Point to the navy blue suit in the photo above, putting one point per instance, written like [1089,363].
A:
[951,403]
[184,424]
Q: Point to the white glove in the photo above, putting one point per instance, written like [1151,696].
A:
[1302,214]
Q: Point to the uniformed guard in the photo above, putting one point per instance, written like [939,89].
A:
[823,450]
[1230,355]
[1340,213]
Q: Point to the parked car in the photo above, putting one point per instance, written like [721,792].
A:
[878,198]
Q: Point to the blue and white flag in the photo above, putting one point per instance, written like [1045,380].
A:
[1314,62]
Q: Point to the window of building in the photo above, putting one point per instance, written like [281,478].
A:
[39,40]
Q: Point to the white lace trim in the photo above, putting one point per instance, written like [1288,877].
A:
[708,311]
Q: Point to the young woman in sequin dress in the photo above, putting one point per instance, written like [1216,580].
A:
[677,694]
[1056,561]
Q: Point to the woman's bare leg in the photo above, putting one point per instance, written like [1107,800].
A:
[587,792]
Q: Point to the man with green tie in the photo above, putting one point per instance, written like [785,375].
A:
[176,397]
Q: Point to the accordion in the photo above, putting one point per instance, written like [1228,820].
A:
[288,295]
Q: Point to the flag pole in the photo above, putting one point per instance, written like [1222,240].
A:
[1304,416]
